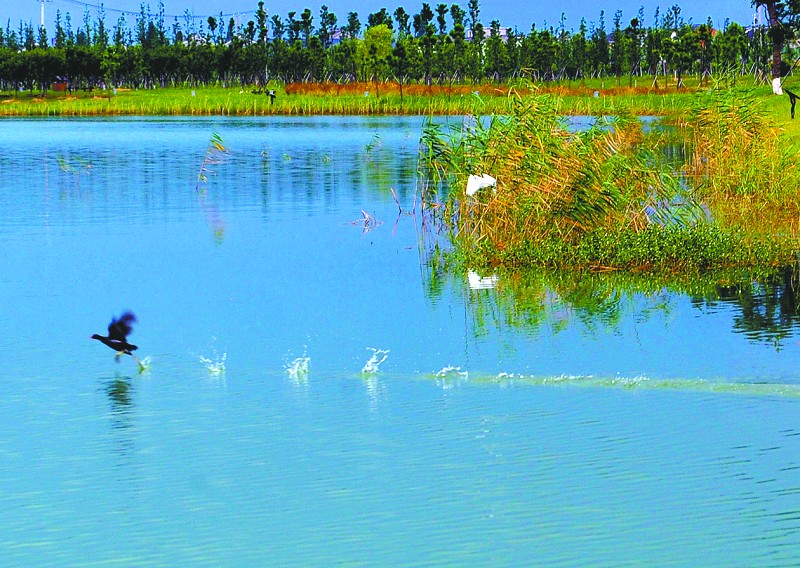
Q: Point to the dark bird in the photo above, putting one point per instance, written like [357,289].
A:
[118,331]
[792,99]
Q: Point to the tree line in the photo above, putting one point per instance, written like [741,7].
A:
[441,44]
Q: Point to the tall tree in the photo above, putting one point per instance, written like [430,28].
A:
[441,12]
[374,52]
[783,16]
[379,18]
[261,23]
[353,27]
[306,27]
[403,27]
[327,26]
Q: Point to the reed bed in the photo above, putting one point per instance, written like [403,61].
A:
[747,172]
[606,199]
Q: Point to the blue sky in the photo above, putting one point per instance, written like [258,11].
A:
[519,14]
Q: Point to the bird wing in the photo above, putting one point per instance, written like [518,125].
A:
[119,328]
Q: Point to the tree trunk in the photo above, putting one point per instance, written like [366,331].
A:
[776,34]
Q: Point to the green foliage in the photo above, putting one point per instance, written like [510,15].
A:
[296,50]
[702,247]
[374,52]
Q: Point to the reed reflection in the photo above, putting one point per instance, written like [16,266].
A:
[764,307]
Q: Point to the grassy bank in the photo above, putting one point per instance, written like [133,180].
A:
[219,101]
[585,97]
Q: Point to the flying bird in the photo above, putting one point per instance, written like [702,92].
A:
[118,331]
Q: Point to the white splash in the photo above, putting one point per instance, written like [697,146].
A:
[145,364]
[298,369]
[449,377]
[452,372]
[214,366]
[378,357]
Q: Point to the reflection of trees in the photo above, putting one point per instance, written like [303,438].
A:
[766,310]
[317,176]
[537,299]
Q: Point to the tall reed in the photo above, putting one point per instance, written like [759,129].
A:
[603,197]
[746,171]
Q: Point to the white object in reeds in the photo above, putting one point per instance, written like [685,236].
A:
[475,183]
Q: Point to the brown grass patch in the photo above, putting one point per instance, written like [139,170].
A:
[392,87]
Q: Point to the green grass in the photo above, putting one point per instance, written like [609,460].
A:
[576,97]
[205,101]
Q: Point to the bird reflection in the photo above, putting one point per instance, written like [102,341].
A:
[121,442]
[119,391]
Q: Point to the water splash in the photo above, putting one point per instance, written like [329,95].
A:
[643,382]
[448,377]
[145,364]
[450,371]
[298,369]
[215,366]
[373,365]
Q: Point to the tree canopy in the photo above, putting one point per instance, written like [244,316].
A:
[439,43]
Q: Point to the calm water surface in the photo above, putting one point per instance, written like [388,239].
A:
[652,429]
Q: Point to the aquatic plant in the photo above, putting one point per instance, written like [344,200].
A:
[215,154]
[550,181]
[602,198]
[74,165]
[372,146]
[367,222]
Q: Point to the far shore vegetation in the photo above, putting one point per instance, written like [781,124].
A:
[584,98]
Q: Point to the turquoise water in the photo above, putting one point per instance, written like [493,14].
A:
[656,429]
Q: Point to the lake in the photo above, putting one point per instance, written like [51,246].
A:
[319,391]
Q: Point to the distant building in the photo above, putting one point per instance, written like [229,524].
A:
[487,33]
